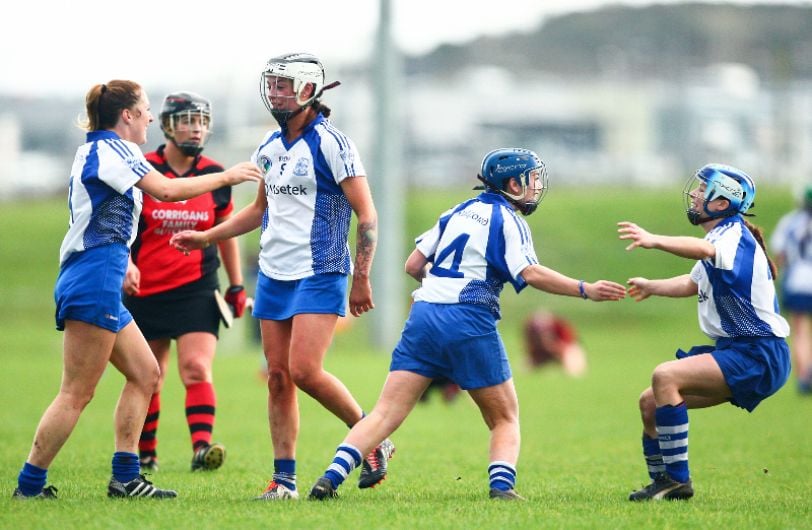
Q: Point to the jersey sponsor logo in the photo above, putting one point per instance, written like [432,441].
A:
[299,189]
[475,217]
[177,220]
[702,296]
[302,167]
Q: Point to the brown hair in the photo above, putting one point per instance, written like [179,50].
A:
[318,106]
[104,103]
[756,231]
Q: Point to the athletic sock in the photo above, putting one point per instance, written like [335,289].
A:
[346,459]
[148,443]
[672,434]
[284,473]
[125,466]
[502,475]
[200,405]
[653,456]
[31,479]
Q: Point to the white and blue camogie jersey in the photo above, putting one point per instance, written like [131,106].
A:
[736,292]
[307,223]
[104,205]
[474,249]
[793,238]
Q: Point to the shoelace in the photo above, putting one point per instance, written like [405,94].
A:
[273,485]
[372,459]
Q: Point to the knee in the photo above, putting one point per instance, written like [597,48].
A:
[278,380]
[194,371]
[661,378]
[304,376]
[647,406]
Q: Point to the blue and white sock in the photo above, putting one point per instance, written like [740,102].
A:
[654,458]
[125,466]
[284,473]
[346,459]
[502,475]
[672,433]
[31,479]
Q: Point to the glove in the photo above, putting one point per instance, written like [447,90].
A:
[235,297]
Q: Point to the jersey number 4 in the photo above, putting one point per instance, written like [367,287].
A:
[456,248]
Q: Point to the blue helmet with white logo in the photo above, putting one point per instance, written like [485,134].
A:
[721,182]
[500,166]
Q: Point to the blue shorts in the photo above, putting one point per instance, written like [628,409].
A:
[88,288]
[317,294]
[797,302]
[456,341]
[754,367]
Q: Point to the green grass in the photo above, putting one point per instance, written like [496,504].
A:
[581,449]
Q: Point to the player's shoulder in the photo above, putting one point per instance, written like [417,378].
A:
[331,135]
[208,165]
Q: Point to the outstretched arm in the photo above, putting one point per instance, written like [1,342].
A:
[683,246]
[172,190]
[546,279]
[676,287]
[244,221]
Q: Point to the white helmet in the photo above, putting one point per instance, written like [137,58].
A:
[302,69]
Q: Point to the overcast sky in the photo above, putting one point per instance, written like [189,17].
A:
[64,47]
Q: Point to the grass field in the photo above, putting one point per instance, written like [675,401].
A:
[581,437]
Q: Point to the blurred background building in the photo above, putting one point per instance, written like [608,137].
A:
[691,83]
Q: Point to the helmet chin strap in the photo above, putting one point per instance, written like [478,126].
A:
[188,149]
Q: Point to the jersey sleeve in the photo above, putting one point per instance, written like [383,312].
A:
[121,164]
[726,246]
[427,242]
[519,250]
[341,155]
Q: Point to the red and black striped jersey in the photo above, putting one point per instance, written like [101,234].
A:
[162,267]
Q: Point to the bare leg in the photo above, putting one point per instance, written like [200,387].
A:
[401,391]
[283,406]
[195,357]
[500,410]
[133,358]
[311,337]
[86,353]
[802,344]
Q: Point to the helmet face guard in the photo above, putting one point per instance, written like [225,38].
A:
[300,69]
[186,110]
[718,181]
[521,165]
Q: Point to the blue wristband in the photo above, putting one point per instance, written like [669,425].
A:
[581,290]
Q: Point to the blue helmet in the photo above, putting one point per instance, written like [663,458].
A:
[721,182]
[522,165]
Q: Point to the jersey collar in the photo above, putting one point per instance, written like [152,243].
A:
[104,134]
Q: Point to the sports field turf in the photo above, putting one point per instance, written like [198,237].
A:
[581,437]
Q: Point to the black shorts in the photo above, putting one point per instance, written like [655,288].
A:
[168,315]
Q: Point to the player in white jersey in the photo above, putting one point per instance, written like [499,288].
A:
[462,263]
[738,309]
[108,175]
[792,244]
[314,181]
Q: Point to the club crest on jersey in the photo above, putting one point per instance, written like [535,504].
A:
[302,166]
[265,163]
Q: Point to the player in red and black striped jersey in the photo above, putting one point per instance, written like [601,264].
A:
[171,295]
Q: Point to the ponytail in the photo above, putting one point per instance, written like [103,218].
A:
[756,231]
